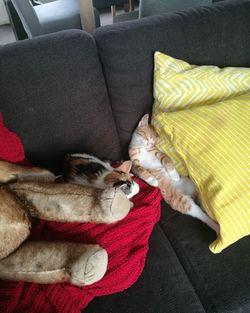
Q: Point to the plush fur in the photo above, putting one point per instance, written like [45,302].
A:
[27,192]
[14,222]
[49,262]
[71,202]
[10,172]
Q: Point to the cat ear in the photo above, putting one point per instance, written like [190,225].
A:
[144,120]
[125,166]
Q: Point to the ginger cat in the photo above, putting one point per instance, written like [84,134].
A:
[157,169]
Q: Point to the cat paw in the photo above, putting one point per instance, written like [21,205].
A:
[134,190]
[152,181]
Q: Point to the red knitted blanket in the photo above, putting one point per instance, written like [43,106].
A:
[11,148]
[125,241]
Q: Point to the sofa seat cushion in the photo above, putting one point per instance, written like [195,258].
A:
[222,281]
[182,275]
[163,286]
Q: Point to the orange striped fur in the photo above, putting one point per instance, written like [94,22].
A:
[158,170]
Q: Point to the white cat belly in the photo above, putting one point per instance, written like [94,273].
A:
[185,185]
[150,161]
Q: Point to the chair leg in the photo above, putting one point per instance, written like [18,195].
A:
[126,7]
[113,10]
[87,15]
[131,5]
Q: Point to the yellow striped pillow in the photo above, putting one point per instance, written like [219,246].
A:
[179,85]
[213,142]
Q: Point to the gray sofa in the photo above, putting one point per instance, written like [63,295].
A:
[71,91]
[149,7]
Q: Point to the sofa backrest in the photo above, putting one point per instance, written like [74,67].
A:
[149,7]
[53,95]
[217,34]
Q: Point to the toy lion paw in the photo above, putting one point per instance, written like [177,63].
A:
[90,267]
[54,262]
[10,173]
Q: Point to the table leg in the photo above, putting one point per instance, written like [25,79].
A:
[131,5]
[113,10]
[87,15]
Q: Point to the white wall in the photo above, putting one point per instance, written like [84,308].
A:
[3,14]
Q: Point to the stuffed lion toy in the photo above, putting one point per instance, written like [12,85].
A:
[32,192]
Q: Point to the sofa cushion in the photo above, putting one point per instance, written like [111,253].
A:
[163,286]
[187,133]
[149,7]
[222,281]
[179,85]
[212,141]
[199,35]
[182,275]
[53,95]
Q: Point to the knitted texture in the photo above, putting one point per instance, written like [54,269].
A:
[11,148]
[126,242]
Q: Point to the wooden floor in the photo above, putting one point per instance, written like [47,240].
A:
[6,34]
